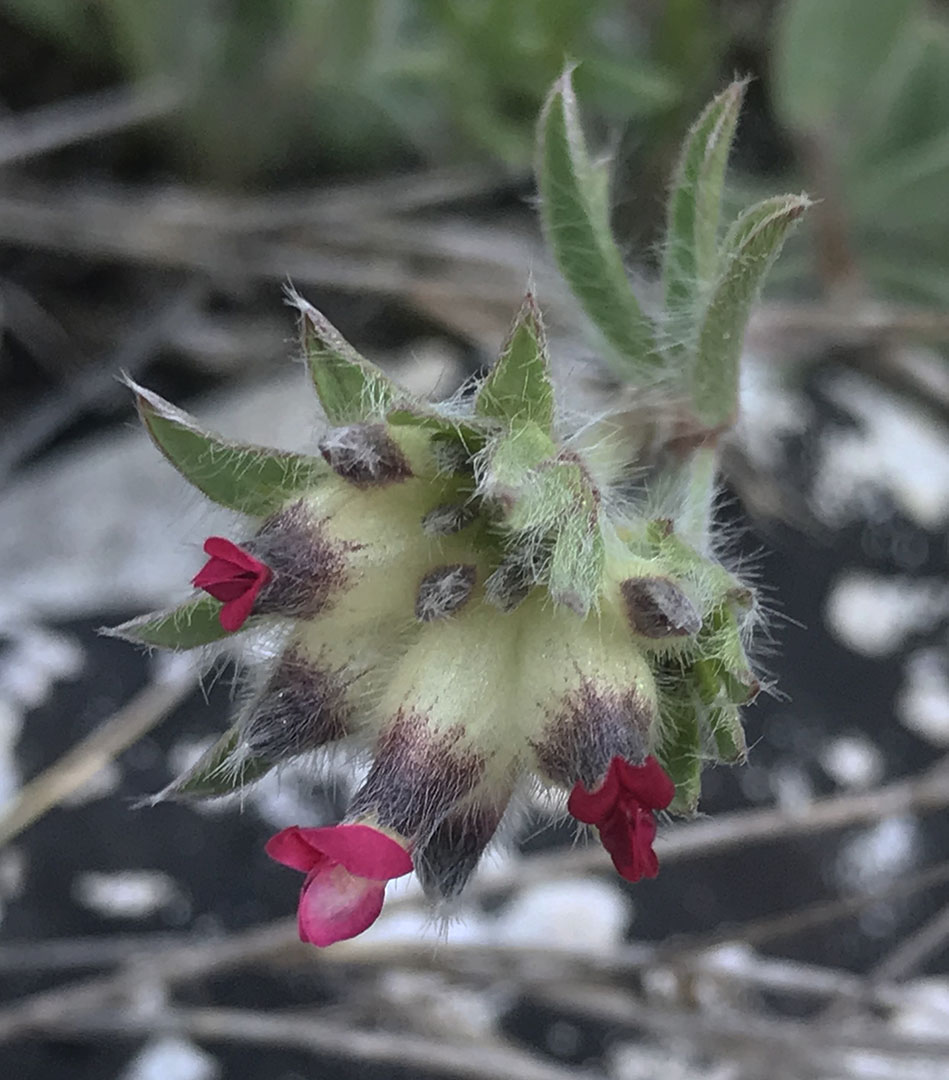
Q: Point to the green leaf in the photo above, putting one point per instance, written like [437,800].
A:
[518,386]
[350,388]
[251,479]
[751,246]
[690,254]
[185,627]
[221,770]
[576,224]
[826,54]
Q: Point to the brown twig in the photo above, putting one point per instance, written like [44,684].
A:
[465,1061]
[80,119]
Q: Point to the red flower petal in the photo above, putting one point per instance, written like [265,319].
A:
[290,848]
[591,807]
[647,783]
[629,843]
[220,547]
[232,576]
[364,851]
[235,612]
[336,905]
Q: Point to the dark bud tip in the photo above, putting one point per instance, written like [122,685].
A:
[445,863]
[365,454]
[444,590]
[657,608]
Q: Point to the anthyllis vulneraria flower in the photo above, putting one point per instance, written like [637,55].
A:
[465,592]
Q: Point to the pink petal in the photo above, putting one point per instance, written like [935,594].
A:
[336,905]
[362,850]
[290,848]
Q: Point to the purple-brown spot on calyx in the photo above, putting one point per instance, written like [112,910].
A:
[448,518]
[304,705]
[510,583]
[444,864]
[417,777]
[444,590]
[308,565]
[593,725]
[365,454]
[658,608]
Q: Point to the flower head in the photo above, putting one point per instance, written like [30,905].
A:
[346,867]
[233,576]
[621,809]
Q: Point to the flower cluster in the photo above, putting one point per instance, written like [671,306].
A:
[469,595]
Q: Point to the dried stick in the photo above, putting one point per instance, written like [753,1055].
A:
[79,119]
[78,765]
[466,1061]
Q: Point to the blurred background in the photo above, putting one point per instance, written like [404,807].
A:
[165,168]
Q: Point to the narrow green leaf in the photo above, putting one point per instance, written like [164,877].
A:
[350,388]
[750,247]
[519,386]
[185,627]
[252,479]
[690,255]
[576,224]
[221,770]
[681,750]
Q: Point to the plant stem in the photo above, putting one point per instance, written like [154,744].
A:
[700,474]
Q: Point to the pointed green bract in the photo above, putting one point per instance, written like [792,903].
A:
[727,733]
[518,386]
[576,564]
[219,771]
[350,388]
[751,246]
[251,479]
[186,627]
[576,223]
[690,254]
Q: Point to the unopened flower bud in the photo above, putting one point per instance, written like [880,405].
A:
[590,692]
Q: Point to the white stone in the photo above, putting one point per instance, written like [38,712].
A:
[923,701]
[170,1058]
[125,894]
[874,615]
[852,761]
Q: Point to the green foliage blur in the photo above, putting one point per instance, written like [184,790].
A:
[850,102]
[357,84]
